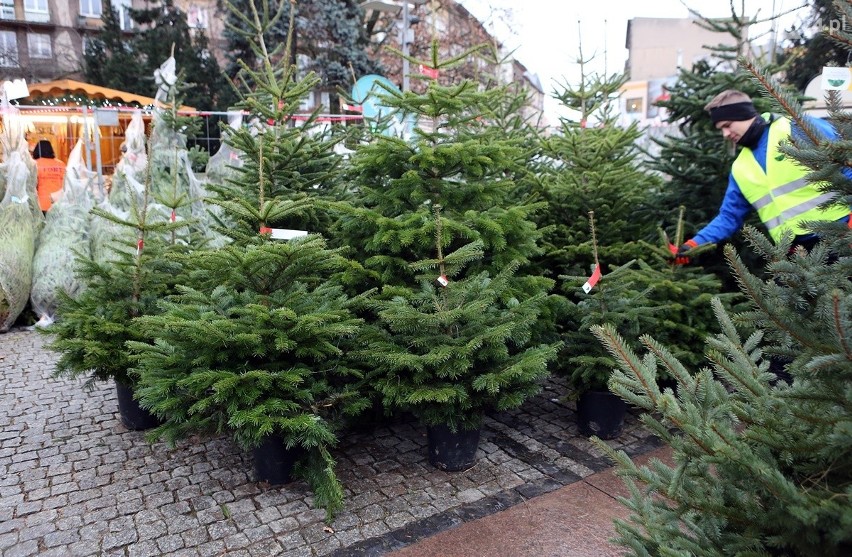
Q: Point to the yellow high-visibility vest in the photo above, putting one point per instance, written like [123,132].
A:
[781,196]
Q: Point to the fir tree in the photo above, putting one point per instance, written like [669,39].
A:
[648,293]
[297,160]
[761,467]
[398,183]
[456,349]
[143,268]
[254,343]
[595,168]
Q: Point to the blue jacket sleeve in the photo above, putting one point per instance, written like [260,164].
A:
[827,130]
[733,212]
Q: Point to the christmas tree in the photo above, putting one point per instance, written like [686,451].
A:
[596,169]
[760,466]
[458,346]
[136,262]
[254,343]
[441,206]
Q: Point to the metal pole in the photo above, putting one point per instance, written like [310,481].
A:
[86,147]
[404,36]
[96,137]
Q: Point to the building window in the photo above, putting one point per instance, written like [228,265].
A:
[91,8]
[633,106]
[122,12]
[39,45]
[36,10]
[35,6]
[8,49]
[7,9]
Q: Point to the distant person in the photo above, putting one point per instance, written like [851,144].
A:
[51,173]
[762,178]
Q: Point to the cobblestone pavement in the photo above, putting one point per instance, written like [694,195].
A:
[75,482]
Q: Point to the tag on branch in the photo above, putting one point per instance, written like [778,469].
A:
[593,280]
[443,280]
[429,72]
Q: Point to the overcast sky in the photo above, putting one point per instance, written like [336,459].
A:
[547,32]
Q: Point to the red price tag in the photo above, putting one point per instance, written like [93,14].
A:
[593,280]
[443,280]
[429,72]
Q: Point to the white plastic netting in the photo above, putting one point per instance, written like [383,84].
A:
[17,241]
[225,163]
[176,192]
[13,140]
[130,170]
[64,237]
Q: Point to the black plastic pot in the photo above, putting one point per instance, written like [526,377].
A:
[274,462]
[601,413]
[133,416]
[452,451]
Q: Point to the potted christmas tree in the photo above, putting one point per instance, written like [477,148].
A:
[253,345]
[457,348]
[135,262]
[440,231]
[620,298]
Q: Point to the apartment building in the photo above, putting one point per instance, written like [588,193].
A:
[657,49]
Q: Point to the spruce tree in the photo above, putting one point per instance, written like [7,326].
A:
[399,235]
[760,466]
[329,36]
[111,60]
[254,343]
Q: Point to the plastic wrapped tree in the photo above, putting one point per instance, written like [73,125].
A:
[135,263]
[20,218]
[64,237]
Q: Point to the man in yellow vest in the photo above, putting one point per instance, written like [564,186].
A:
[51,174]
[762,178]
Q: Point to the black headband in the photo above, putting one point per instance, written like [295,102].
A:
[734,112]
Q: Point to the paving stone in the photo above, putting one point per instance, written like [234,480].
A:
[170,543]
[8,539]
[265,548]
[120,538]
[22,549]
[147,548]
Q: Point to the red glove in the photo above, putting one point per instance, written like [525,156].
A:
[680,252]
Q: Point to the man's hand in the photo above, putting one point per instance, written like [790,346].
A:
[682,253]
